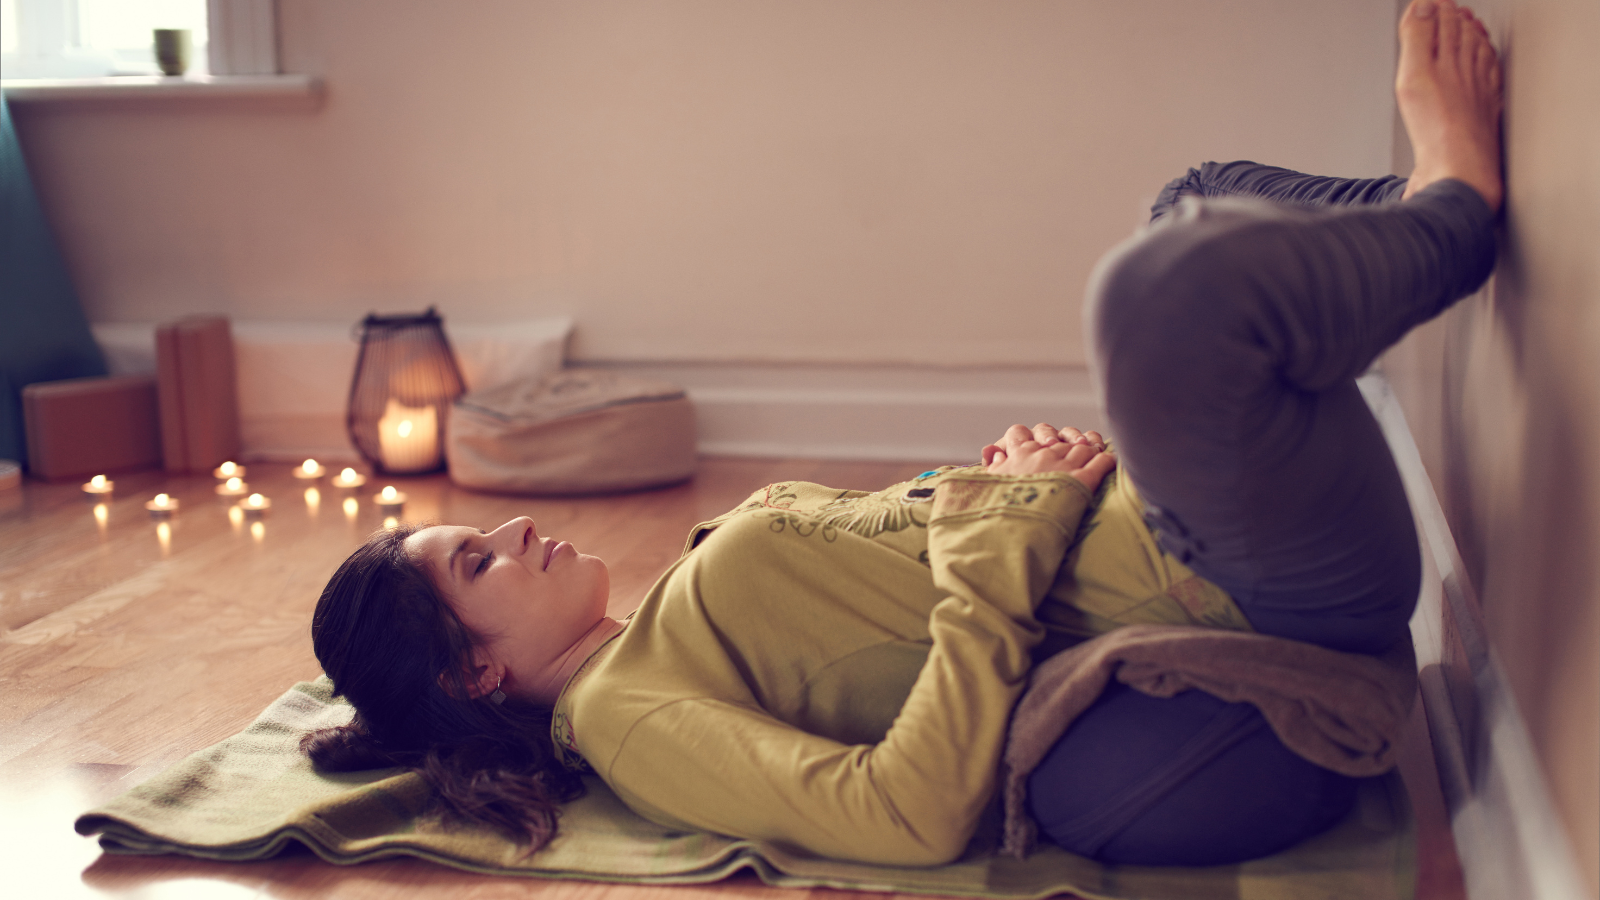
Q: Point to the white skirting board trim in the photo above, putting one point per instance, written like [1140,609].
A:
[1508,836]
[870,412]
[815,412]
[294,378]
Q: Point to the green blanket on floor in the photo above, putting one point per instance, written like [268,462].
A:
[247,797]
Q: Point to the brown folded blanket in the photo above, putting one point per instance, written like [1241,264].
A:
[1342,711]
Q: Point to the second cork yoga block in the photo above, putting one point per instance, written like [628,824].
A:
[199,394]
[79,427]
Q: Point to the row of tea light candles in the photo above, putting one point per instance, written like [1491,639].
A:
[389,500]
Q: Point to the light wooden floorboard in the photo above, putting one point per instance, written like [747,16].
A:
[122,651]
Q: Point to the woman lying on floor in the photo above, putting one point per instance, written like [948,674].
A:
[833,671]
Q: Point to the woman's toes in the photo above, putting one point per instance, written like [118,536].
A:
[1449,31]
[1420,22]
[1418,35]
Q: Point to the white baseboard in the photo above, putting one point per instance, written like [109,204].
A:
[294,378]
[1508,836]
[883,412]
[815,412]
[292,438]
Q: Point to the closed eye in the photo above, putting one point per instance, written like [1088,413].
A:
[483,564]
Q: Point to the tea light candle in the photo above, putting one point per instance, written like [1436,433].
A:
[233,487]
[348,479]
[228,470]
[98,487]
[390,501]
[255,505]
[162,507]
[310,470]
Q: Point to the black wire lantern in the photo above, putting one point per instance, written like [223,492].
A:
[406,378]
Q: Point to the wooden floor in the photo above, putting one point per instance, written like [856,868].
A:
[126,645]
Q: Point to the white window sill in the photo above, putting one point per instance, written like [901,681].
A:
[157,87]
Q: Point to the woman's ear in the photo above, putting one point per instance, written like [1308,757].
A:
[479,678]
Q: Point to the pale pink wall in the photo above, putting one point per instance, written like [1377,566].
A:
[1504,394]
[863,180]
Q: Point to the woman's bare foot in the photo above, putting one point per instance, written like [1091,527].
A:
[1448,87]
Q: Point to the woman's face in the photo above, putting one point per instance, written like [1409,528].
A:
[529,598]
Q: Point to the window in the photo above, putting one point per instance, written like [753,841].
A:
[98,38]
[95,38]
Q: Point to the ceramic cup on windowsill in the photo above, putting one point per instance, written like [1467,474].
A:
[172,50]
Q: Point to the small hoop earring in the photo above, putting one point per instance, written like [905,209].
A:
[499,696]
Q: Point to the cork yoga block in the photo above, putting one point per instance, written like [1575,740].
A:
[198,391]
[81,427]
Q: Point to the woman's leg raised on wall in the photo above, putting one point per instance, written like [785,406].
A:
[1226,339]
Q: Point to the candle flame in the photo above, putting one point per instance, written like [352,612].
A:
[388,492]
[162,499]
[227,468]
[347,475]
[256,500]
[234,484]
[98,481]
[404,428]
[309,466]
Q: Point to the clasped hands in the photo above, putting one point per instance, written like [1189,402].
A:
[1044,448]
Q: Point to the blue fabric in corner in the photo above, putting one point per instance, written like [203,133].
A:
[44,335]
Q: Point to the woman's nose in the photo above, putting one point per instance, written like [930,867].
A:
[516,536]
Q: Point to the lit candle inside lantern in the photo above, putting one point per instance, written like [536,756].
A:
[229,469]
[162,506]
[390,501]
[255,505]
[98,487]
[310,470]
[349,478]
[233,487]
[408,438]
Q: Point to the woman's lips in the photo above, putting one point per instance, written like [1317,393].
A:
[551,549]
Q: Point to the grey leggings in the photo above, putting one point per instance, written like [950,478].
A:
[1226,339]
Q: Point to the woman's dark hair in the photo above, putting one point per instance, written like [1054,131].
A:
[397,650]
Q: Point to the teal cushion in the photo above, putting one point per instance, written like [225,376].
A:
[45,336]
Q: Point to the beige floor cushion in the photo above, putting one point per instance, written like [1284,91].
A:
[577,431]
